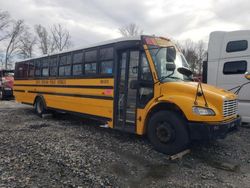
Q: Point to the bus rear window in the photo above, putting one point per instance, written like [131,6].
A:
[21,70]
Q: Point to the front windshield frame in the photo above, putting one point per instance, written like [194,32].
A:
[158,55]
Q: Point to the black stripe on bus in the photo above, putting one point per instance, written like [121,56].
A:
[74,95]
[18,90]
[66,86]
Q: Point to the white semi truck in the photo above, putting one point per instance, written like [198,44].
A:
[228,65]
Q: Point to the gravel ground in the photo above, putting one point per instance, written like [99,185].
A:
[66,151]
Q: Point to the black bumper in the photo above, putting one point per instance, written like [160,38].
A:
[205,131]
[7,93]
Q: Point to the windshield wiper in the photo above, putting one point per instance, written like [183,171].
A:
[174,77]
[168,76]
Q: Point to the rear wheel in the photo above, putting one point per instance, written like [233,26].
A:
[167,131]
[40,108]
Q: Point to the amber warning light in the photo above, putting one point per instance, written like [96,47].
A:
[156,41]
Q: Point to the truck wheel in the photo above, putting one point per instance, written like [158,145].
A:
[167,131]
[40,107]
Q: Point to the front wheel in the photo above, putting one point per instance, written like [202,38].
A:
[167,131]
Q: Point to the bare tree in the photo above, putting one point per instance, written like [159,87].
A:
[61,37]
[44,39]
[201,54]
[130,30]
[194,53]
[27,42]
[14,42]
[4,24]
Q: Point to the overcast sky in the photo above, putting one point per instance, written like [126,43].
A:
[91,21]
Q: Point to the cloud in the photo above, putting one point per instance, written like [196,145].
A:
[90,21]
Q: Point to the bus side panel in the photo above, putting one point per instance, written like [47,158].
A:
[24,97]
[87,96]
[97,107]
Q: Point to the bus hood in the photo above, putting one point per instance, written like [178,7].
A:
[183,94]
[190,88]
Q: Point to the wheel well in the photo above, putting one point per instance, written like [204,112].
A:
[42,98]
[163,106]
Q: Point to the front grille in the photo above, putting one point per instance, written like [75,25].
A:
[230,107]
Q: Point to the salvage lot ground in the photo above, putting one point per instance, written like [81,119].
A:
[66,151]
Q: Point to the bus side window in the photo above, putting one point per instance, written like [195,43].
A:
[90,65]
[106,60]
[31,69]
[145,69]
[65,65]
[146,89]
[53,66]
[78,63]
[37,68]
[45,67]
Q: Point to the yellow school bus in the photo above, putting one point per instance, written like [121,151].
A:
[138,84]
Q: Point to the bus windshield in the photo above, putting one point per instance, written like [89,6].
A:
[160,61]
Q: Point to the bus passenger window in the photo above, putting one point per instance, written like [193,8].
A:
[77,63]
[37,68]
[31,69]
[65,65]
[106,53]
[106,67]
[53,66]
[90,68]
[45,67]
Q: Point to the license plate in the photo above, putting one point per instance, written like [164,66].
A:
[7,89]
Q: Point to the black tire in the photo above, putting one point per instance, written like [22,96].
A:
[167,131]
[1,95]
[40,107]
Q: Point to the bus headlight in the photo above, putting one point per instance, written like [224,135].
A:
[203,111]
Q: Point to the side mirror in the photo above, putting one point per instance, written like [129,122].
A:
[134,84]
[247,75]
[171,54]
[185,71]
[170,67]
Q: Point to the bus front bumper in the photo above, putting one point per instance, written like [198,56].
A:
[205,131]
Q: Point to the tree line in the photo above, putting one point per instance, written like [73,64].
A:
[19,41]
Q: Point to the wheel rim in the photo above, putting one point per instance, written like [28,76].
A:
[164,132]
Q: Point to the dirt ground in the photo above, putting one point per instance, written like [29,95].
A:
[66,151]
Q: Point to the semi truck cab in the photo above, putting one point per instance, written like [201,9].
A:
[227,63]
